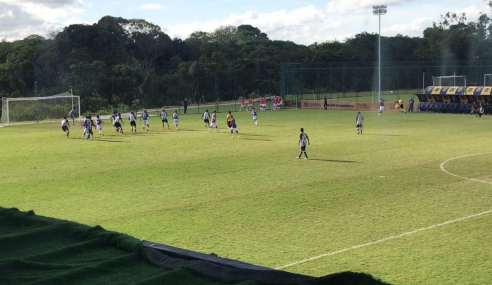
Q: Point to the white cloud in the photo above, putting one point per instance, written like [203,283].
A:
[472,12]
[37,17]
[151,7]
[417,26]
[360,6]
[304,25]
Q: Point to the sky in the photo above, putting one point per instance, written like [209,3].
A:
[299,21]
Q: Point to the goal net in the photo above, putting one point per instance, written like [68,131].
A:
[37,109]
[487,80]
[453,80]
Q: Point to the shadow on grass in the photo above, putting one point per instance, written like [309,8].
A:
[254,135]
[250,139]
[382,135]
[333,160]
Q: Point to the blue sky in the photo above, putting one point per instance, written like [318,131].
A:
[300,21]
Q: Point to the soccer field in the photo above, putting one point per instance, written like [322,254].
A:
[379,203]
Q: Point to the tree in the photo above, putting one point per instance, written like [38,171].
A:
[147,43]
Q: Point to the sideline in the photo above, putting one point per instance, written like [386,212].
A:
[407,233]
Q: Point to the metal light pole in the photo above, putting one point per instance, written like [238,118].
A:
[379,10]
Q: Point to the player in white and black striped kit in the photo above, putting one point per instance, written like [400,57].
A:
[87,128]
[359,121]
[65,126]
[117,123]
[303,140]
[206,119]
[164,119]
[133,124]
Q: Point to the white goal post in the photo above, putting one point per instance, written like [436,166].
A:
[38,109]
[453,80]
[487,80]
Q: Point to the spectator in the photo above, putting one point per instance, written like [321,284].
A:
[410,105]
[185,105]
[325,105]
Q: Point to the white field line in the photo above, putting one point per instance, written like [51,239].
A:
[471,179]
[407,233]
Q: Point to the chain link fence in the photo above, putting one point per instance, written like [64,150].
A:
[123,88]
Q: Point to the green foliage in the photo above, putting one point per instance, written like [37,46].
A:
[134,59]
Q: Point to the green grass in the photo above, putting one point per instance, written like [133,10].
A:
[250,199]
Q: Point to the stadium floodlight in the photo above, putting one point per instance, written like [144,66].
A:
[36,109]
[487,79]
[378,11]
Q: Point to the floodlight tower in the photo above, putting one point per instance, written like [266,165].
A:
[379,10]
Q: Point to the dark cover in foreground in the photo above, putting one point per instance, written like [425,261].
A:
[40,250]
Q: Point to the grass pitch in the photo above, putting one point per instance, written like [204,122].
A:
[250,199]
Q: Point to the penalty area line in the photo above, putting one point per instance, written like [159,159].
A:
[407,233]
[466,178]
[383,240]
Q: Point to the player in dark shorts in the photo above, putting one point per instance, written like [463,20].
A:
[303,141]
[229,119]
[133,124]
[163,116]
[65,126]
[206,119]
[117,123]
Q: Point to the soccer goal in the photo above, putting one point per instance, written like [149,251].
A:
[38,109]
[453,80]
[487,80]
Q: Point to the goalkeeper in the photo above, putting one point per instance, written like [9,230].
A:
[71,115]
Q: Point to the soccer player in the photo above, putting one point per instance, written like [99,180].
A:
[117,123]
[243,105]
[65,126]
[99,125]
[71,115]
[112,119]
[145,116]
[400,102]
[233,127]
[214,122]
[255,116]
[133,124]
[480,112]
[359,121]
[164,119]
[175,119]
[206,119]
[381,107]
[279,103]
[93,125]
[274,103]
[87,128]
[229,118]
[250,103]
[303,139]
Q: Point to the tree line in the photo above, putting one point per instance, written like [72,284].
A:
[117,61]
